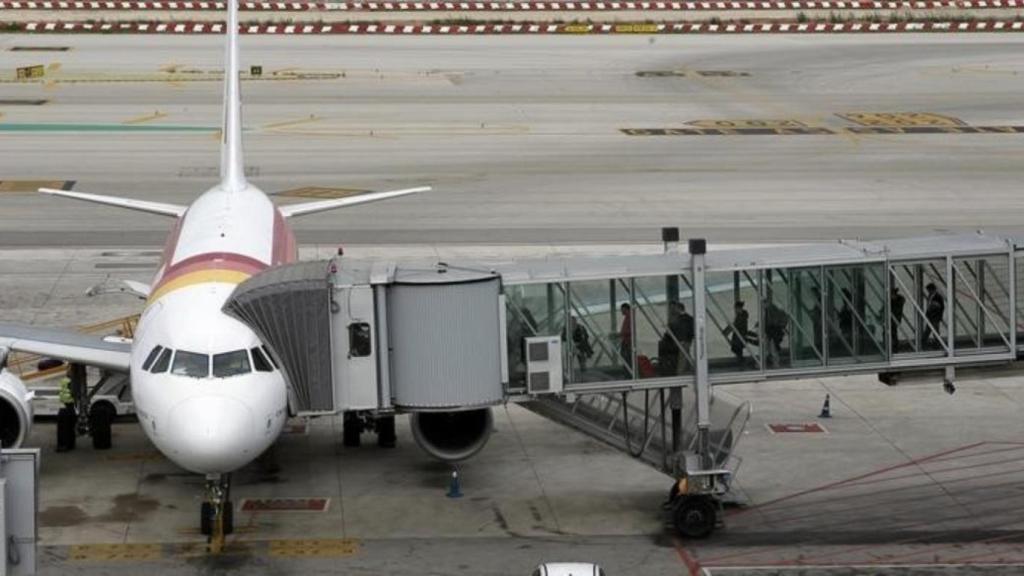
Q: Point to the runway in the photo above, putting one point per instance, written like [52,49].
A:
[522,138]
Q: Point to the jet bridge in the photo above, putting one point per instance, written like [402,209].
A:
[625,347]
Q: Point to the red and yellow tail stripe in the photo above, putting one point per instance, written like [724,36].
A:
[224,267]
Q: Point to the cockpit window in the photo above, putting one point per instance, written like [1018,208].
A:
[152,356]
[270,356]
[260,362]
[231,364]
[163,362]
[191,364]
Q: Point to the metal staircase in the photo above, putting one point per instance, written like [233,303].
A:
[640,423]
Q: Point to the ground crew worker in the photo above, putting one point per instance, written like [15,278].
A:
[66,417]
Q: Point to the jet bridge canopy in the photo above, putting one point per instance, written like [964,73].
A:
[289,309]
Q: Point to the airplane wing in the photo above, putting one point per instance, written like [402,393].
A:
[66,345]
[160,208]
[320,206]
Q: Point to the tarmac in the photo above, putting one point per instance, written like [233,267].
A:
[522,140]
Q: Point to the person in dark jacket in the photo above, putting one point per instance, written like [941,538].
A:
[676,343]
[934,312]
[739,330]
[896,303]
[581,347]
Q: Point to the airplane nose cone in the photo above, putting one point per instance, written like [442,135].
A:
[211,435]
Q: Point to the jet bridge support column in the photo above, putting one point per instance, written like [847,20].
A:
[695,498]
[698,248]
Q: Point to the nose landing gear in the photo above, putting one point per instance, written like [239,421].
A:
[217,518]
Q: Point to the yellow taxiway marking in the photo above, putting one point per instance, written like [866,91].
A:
[148,117]
[311,118]
[115,552]
[321,192]
[30,185]
[749,123]
[900,119]
[313,548]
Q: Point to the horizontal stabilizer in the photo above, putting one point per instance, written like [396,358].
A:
[173,210]
[321,206]
[137,289]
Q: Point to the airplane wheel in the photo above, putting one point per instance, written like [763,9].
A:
[386,432]
[206,519]
[229,518]
[101,417]
[66,429]
[694,517]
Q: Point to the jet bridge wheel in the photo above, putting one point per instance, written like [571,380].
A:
[385,427]
[101,419]
[695,516]
[351,429]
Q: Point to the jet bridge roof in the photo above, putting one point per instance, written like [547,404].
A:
[577,268]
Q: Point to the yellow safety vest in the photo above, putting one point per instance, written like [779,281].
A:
[66,397]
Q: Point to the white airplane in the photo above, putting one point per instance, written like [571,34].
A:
[206,390]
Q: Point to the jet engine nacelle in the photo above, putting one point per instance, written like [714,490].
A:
[15,410]
[452,436]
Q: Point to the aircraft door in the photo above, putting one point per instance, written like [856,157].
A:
[355,353]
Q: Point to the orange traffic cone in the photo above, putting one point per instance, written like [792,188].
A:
[826,409]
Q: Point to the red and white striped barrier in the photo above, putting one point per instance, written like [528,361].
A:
[526,28]
[528,6]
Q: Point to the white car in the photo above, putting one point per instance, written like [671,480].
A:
[568,569]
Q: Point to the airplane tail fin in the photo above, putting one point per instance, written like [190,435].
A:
[232,163]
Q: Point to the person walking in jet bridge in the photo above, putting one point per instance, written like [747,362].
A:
[626,336]
[934,311]
[581,347]
[675,345]
[739,330]
[66,416]
[775,321]
[896,303]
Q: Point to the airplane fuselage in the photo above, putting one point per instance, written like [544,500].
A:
[213,404]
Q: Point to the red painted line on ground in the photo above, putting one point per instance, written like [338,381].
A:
[691,563]
[914,462]
[931,548]
[716,561]
[759,566]
[400,29]
[781,519]
[519,6]
[940,471]
[1015,446]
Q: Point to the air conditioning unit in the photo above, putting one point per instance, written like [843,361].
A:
[543,365]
